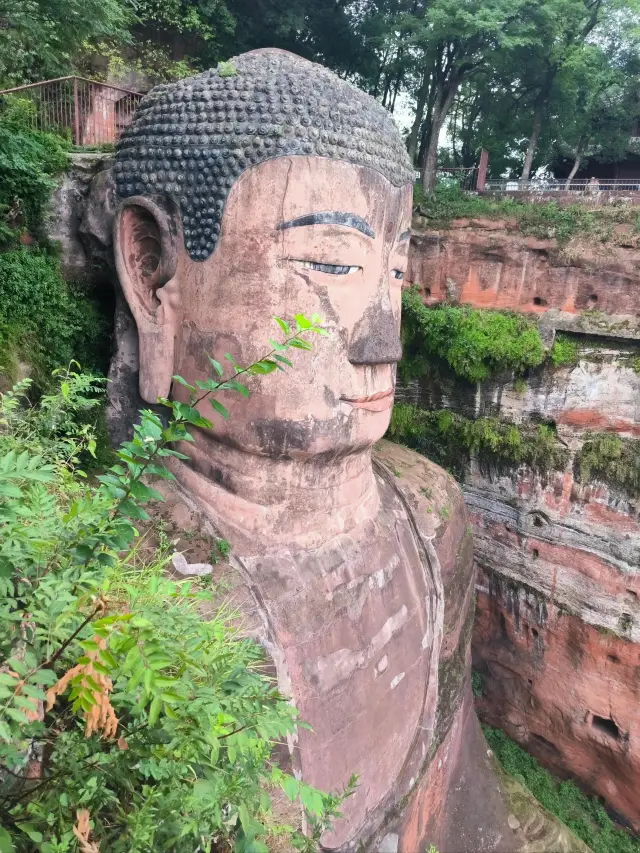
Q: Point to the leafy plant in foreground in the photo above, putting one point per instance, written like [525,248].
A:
[133,714]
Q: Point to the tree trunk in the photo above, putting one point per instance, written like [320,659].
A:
[440,112]
[576,165]
[412,142]
[535,134]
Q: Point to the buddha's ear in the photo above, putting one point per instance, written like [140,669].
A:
[145,243]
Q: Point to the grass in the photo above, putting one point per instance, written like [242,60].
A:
[545,220]
[585,816]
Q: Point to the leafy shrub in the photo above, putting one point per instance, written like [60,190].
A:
[43,319]
[611,459]
[585,816]
[452,440]
[29,162]
[157,720]
[476,344]
[564,351]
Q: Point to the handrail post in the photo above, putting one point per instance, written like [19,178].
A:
[76,112]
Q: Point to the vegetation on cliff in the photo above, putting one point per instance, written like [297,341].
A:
[611,460]
[475,344]
[158,719]
[545,220]
[452,440]
[585,816]
[44,320]
[29,162]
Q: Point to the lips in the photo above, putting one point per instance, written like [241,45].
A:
[377,402]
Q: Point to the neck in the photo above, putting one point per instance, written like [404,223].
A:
[261,501]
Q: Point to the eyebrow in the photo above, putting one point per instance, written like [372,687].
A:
[404,236]
[330,217]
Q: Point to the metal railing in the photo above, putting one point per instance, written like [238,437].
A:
[90,113]
[586,186]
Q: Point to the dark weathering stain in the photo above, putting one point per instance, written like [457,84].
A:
[375,338]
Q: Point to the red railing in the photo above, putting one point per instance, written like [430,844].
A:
[91,113]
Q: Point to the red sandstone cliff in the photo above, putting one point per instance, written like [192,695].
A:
[558,620]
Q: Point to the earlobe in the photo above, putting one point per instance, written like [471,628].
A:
[145,241]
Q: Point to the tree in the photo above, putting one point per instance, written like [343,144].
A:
[42,37]
[558,31]
[451,42]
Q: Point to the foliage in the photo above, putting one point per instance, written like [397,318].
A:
[475,344]
[43,37]
[546,220]
[610,459]
[452,440]
[158,722]
[564,351]
[29,161]
[585,816]
[477,684]
[44,320]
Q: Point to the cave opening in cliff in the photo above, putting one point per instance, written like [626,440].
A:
[538,300]
[607,726]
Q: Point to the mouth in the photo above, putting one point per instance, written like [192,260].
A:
[377,402]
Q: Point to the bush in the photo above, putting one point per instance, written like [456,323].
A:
[157,721]
[452,440]
[612,460]
[44,320]
[29,162]
[585,816]
[475,344]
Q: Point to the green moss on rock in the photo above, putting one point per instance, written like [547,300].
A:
[452,440]
[475,344]
[610,459]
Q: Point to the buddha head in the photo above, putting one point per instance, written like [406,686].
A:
[267,188]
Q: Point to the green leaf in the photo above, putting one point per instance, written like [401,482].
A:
[219,408]
[6,845]
[154,711]
[298,343]
[290,786]
[283,326]
[182,381]
[216,365]
[30,830]
[302,323]
[282,359]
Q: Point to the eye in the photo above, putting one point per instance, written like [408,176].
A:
[397,274]
[331,269]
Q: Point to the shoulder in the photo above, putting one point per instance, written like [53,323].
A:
[426,487]
[436,504]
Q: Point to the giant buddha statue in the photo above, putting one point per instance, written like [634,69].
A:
[267,188]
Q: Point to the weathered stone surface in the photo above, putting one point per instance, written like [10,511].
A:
[489,268]
[65,209]
[558,617]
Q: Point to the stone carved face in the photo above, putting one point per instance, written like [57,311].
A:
[299,234]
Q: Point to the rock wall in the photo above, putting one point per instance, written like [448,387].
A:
[557,629]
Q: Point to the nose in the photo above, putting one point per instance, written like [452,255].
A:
[375,338]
